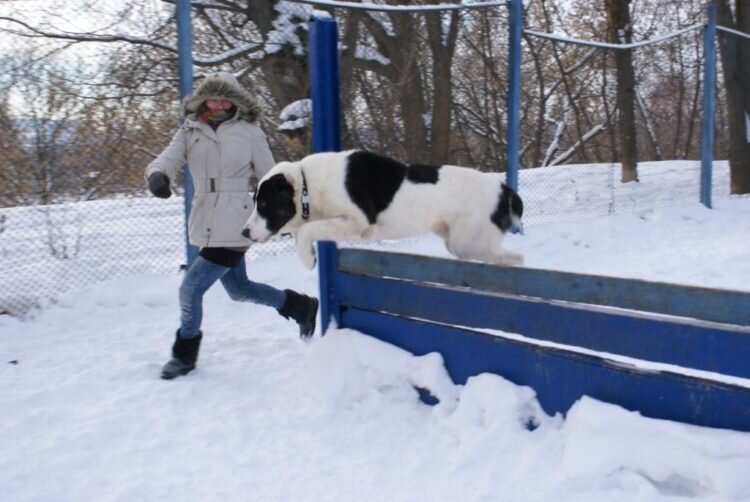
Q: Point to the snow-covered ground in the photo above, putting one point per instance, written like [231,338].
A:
[266,417]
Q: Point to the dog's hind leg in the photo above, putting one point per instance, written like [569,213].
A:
[462,241]
[473,244]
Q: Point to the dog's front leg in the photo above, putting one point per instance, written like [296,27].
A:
[324,230]
[305,247]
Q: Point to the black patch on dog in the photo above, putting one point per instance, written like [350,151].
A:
[423,173]
[275,202]
[510,204]
[372,180]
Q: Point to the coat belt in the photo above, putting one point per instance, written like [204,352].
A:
[212,185]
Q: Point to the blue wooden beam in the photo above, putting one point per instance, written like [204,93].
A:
[693,344]
[731,307]
[560,378]
[425,304]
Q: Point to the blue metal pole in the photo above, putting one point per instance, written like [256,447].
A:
[514,92]
[326,135]
[185,63]
[324,84]
[709,91]
[327,279]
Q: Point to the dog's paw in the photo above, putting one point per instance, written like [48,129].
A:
[514,259]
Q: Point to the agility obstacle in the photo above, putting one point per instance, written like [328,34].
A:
[667,351]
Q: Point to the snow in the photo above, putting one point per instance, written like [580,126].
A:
[268,417]
[295,115]
[321,14]
[291,17]
[382,7]
[370,54]
[385,22]
[607,45]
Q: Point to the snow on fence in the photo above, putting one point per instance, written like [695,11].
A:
[667,351]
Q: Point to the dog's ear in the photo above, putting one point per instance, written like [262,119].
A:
[272,191]
[278,183]
[286,185]
[290,180]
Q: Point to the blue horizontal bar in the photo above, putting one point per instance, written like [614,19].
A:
[692,344]
[560,378]
[731,307]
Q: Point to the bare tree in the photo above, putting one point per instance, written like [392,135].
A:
[481,92]
[427,87]
[12,184]
[735,55]
[442,31]
[621,32]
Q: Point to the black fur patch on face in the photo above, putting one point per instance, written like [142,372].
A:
[275,202]
[372,181]
[509,204]
[423,173]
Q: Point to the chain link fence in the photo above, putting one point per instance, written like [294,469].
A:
[52,249]
[73,205]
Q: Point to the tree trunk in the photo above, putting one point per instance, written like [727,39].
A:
[443,47]
[621,32]
[410,89]
[735,54]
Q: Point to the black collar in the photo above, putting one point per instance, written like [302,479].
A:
[305,198]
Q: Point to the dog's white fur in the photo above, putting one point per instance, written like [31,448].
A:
[457,208]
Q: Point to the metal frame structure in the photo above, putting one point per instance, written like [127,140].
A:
[325,86]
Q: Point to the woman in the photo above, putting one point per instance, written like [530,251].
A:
[223,146]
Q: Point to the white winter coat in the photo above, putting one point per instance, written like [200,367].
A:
[221,163]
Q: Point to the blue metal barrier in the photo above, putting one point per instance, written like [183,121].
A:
[514,93]
[668,351]
[326,109]
[709,93]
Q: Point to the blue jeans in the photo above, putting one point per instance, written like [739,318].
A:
[202,274]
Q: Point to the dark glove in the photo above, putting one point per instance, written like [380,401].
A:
[158,184]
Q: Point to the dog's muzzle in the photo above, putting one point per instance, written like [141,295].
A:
[246,233]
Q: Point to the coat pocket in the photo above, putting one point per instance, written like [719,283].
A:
[199,229]
[233,211]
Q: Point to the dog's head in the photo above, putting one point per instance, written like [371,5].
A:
[507,215]
[275,204]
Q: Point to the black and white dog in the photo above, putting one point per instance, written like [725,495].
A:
[357,195]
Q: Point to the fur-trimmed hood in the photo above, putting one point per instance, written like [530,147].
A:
[225,85]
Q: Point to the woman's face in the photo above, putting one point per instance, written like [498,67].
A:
[217,104]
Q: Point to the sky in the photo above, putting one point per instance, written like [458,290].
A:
[268,417]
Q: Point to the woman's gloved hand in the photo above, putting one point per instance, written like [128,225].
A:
[158,184]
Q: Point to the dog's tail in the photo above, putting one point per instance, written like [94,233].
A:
[509,211]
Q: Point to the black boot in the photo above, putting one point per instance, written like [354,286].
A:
[184,355]
[301,308]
